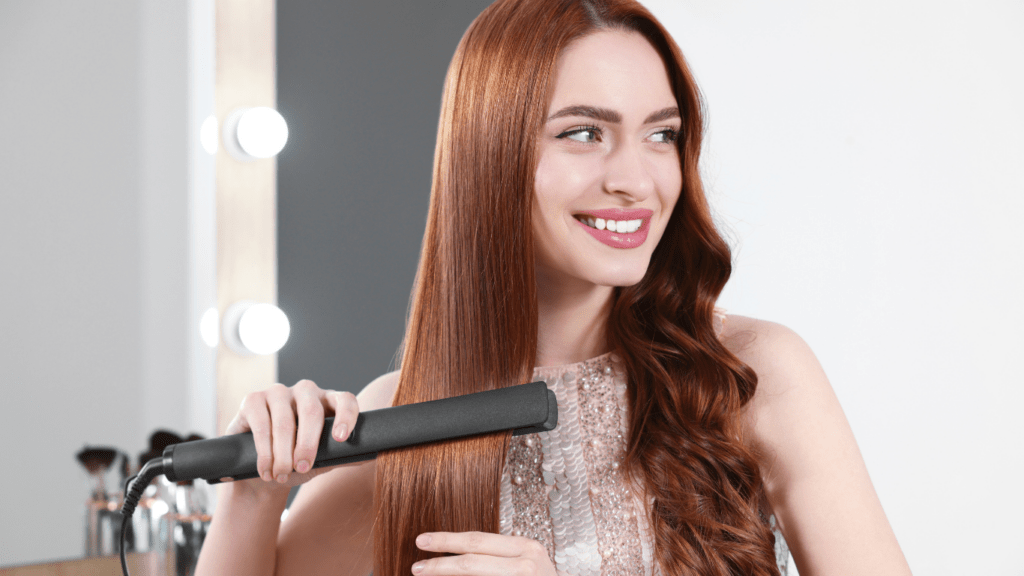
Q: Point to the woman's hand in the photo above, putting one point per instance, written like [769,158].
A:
[482,554]
[286,423]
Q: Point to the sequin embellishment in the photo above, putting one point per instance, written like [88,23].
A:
[565,488]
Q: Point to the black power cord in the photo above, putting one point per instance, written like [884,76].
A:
[134,487]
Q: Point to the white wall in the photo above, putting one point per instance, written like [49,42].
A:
[94,226]
[868,157]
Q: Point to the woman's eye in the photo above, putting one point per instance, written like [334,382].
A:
[586,135]
[668,136]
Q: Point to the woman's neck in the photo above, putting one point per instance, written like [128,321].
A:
[571,321]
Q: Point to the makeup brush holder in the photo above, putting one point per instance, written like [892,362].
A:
[186,533]
[184,527]
[102,516]
[102,527]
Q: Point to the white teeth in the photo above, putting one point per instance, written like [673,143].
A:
[620,226]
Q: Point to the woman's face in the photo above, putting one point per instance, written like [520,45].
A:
[608,174]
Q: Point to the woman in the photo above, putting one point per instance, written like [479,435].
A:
[568,231]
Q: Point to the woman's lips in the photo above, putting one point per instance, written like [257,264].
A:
[618,213]
[617,227]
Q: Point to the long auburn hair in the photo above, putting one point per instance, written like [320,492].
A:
[473,317]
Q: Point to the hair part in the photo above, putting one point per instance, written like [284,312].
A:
[473,316]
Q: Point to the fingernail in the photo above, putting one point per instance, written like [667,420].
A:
[339,432]
[302,467]
[282,478]
[266,476]
[423,540]
[417,568]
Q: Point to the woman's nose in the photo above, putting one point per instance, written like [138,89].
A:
[626,175]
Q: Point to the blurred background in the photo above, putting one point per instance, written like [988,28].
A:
[866,160]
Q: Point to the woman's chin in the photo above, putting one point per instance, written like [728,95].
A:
[629,282]
[622,277]
[622,271]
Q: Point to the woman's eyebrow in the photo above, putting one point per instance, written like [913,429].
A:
[612,116]
[602,114]
[662,115]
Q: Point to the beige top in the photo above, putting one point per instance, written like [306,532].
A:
[565,489]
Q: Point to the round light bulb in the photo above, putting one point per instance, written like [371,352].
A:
[263,329]
[208,328]
[208,135]
[253,328]
[254,133]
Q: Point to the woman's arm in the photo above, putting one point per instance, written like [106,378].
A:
[814,474]
[243,534]
[327,530]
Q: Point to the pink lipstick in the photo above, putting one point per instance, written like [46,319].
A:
[614,238]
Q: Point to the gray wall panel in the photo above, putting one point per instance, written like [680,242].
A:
[360,85]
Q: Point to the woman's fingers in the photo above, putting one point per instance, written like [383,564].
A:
[255,416]
[471,543]
[238,424]
[310,412]
[286,425]
[282,430]
[482,554]
[346,411]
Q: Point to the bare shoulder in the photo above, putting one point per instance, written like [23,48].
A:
[380,393]
[789,377]
[776,353]
[791,387]
[814,475]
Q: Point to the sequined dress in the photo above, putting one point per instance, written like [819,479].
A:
[565,488]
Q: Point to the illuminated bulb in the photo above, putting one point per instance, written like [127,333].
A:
[208,328]
[264,329]
[251,328]
[208,135]
[254,133]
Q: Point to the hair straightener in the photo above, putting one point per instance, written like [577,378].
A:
[523,409]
